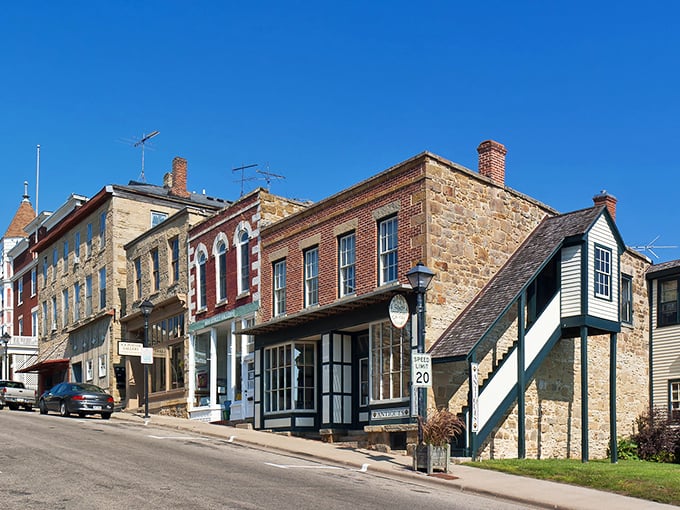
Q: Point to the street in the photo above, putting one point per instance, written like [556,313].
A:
[58,463]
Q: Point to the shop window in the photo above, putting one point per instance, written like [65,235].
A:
[202,363]
[390,361]
[289,372]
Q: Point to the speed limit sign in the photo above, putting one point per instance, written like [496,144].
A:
[421,365]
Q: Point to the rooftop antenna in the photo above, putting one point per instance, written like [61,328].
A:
[650,247]
[243,177]
[142,142]
[268,175]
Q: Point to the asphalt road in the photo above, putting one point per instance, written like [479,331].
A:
[73,463]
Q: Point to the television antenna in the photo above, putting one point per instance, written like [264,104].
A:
[650,246]
[243,177]
[269,175]
[142,142]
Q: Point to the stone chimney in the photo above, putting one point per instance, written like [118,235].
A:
[492,161]
[609,201]
[179,178]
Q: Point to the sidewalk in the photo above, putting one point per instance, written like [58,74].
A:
[528,491]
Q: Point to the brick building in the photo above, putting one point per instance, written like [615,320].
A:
[225,266]
[327,358]
[82,276]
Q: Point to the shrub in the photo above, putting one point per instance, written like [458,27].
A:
[441,427]
[626,449]
[658,439]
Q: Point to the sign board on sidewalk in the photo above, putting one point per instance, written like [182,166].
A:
[421,365]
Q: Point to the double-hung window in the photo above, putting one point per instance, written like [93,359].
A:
[138,278]
[76,301]
[44,271]
[65,307]
[34,281]
[387,250]
[76,245]
[20,290]
[174,262]
[312,276]
[346,262]
[44,317]
[279,287]
[626,299]
[202,291]
[65,254]
[243,260]
[55,261]
[102,229]
[603,272]
[88,241]
[221,271]
[88,295]
[102,288]
[155,270]
[54,313]
[674,400]
[668,298]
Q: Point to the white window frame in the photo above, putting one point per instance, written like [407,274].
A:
[388,255]
[311,264]
[674,399]
[390,357]
[347,264]
[201,264]
[20,290]
[242,243]
[102,365]
[89,370]
[279,287]
[34,281]
[158,217]
[603,272]
[220,254]
[282,390]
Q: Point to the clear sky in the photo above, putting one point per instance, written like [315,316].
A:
[584,95]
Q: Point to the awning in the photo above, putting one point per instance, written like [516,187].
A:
[339,307]
[46,365]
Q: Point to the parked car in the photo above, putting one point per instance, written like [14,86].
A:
[78,398]
[14,394]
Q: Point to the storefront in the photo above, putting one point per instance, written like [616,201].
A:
[221,367]
[342,367]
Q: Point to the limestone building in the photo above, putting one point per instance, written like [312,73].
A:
[328,360]
[82,277]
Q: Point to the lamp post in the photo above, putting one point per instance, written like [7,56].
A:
[5,340]
[420,277]
[146,307]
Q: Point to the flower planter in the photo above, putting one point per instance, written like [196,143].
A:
[429,458]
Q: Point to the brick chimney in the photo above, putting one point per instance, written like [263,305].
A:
[609,201]
[492,160]
[179,177]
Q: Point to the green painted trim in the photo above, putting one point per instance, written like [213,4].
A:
[591,322]
[584,394]
[521,414]
[585,276]
[613,443]
[516,298]
[224,316]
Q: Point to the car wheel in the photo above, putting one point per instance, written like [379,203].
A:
[43,408]
[1,407]
[106,416]
[81,415]
[62,409]
[28,408]
[13,407]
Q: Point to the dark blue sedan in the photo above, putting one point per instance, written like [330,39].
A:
[78,398]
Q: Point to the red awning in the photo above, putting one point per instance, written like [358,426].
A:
[46,366]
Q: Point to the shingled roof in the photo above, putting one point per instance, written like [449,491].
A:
[476,319]
[24,215]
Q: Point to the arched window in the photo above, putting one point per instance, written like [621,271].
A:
[200,277]
[243,261]
[221,261]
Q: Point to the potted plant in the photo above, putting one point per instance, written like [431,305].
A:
[438,430]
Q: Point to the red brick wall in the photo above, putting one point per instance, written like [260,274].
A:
[404,184]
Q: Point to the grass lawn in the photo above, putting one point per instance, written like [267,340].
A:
[636,478]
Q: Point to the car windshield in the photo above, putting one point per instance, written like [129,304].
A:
[87,387]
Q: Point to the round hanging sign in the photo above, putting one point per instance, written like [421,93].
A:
[399,312]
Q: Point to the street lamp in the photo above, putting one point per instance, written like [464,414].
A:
[146,307]
[420,277]
[5,340]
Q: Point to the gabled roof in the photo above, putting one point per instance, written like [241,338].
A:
[527,261]
[22,218]
[672,267]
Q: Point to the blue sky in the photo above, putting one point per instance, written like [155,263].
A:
[585,96]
